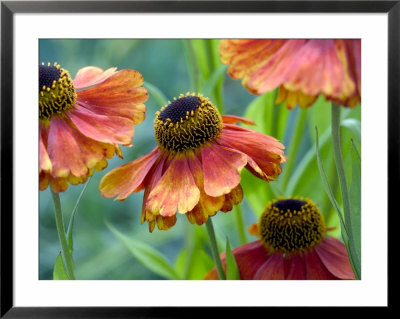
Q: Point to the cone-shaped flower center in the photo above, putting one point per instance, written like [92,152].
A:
[56,91]
[291,225]
[187,123]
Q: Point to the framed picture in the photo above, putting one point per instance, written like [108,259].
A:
[205,147]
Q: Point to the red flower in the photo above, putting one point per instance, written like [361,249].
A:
[302,69]
[80,130]
[292,245]
[195,169]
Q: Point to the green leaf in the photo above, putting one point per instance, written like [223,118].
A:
[201,52]
[156,93]
[354,126]
[146,255]
[306,167]
[214,79]
[355,198]
[260,110]
[232,270]
[200,264]
[257,191]
[327,187]
[59,270]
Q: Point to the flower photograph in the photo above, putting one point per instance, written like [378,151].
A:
[199,159]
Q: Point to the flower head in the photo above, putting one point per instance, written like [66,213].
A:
[80,129]
[292,245]
[302,69]
[195,168]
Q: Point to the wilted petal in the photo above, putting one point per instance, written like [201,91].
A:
[176,190]
[221,168]
[106,129]
[126,179]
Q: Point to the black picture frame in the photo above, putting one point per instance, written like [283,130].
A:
[9,8]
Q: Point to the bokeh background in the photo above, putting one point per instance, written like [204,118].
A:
[171,67]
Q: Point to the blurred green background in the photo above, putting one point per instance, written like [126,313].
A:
[173,67]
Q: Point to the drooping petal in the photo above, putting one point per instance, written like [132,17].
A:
[297,269]
[315,269]
[44,159]
[247,55]
[135,113]
[176,190]
[106,129]
[221,168]
[233,198]
[59,184]
[44,179]
[126,179]
[305,68]
[272,269]
[334,256]
[165,222]
[264,153]
[207,205]
[63,140]
[121,89]
[249,258]
[91,75]
[152,179]
[272,72]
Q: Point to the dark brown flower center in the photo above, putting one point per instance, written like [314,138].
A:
[187,123]
[291,225]
[56,91]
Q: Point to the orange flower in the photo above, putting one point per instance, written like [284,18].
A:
[292,245]
[80,130]
[302,69]
[195,169]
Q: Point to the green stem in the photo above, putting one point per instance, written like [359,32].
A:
[67,258]
[295,140]
[337,153]
[214,249]
[240,223]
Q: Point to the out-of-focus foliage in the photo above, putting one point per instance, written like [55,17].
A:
[171,67]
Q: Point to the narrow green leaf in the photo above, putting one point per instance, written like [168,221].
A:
[59,271]
[71,220]
[201,52]
[232,270]
[355,197]
[306,166]
[156,93]
[146,255]
[354,126]
[327,186]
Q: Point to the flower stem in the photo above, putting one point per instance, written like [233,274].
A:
[337,153]
[240,224]
[214,249]
[67,258]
